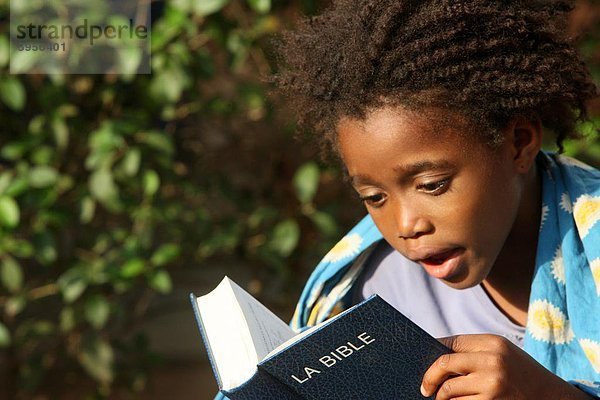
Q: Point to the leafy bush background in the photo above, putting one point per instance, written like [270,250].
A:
[109,183]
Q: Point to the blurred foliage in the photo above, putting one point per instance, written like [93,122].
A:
[110,182]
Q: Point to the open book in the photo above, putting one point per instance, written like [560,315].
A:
[370,351]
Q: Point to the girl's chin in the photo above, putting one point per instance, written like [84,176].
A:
[467,274]
[462,280]
[460,284]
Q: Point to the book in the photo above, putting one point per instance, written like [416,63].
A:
[370,351]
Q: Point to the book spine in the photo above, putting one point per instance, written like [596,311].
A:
[211,358]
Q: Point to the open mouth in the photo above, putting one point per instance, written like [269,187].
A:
[440,258]
[443,265]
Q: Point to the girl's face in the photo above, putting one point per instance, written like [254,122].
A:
[439,196]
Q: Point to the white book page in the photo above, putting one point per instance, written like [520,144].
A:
[291,341]
[240,331]
[266,329]
[301,335]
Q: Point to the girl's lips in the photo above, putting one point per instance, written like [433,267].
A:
[443,265]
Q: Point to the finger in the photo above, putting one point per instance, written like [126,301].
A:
[473,343]
[458,388]
[449,365]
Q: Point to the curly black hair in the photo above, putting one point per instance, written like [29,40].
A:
[489,60]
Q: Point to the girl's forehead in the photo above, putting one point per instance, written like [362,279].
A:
[393,118]
[410,136]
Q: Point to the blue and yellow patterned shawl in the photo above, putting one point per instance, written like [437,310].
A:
[563,327]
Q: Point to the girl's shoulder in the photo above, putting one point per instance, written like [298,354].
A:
[579,179]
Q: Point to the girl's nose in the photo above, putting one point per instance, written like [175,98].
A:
[410,221]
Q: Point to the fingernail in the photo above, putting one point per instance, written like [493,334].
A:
[423,391]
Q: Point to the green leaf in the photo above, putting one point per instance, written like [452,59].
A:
[14,151]
[168,85]
[42,176]
[589,128]
[106,138]
[129,59]
[133,268]
[325,222]
[17,186]
[159,141]
[67,319]
[285,237]
[37,125]
[12,93]
[4,336]
[221,240]
[11,274]
[5,179]
[260,6]
[161,282]
[45,247]
[9,212]
[43,328]
[260,215]
[19,248]
[4,50]
[61,132]
[22,62]
[15,305]
[306,181]
[102,186]
[42,155]
[97,311]
[72,285]
[73,290]
[131,162]
[238,44]
[97,358]
[180,5]
[165,254]
[172,23]
[151,183]
[206,7]
[88,209]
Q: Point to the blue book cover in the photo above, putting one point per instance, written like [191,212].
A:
[370,351]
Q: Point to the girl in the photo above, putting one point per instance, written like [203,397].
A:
[437,110]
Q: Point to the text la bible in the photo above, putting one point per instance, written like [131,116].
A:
[332,358]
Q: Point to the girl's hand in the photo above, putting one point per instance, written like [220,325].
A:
[491,367]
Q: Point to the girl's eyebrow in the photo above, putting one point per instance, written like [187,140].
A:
[359,180]
[420,166]
[405,170]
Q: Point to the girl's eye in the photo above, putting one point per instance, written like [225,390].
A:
[375,200]
[435,188]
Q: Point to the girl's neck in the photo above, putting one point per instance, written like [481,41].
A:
[509,282]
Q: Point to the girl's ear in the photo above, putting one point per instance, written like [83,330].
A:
[524,138]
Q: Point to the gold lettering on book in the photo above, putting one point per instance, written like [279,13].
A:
[339,354]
